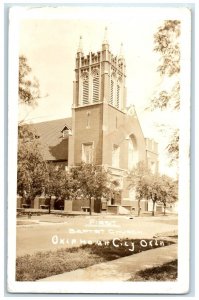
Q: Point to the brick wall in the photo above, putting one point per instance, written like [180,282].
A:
[84,134]
[77,204]
[118,127]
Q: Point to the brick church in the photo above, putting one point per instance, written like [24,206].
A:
[102,129]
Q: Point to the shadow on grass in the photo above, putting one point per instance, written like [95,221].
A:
[166,272]
[114,249]
[49,263]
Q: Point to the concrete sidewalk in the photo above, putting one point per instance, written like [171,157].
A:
[120,269]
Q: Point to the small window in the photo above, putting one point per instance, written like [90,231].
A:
[65,132]
[132,194]
[116,156]
[152,167]
[88,120]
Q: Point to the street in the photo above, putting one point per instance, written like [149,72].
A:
[49,232]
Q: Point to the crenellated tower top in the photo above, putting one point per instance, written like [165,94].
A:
[100,77]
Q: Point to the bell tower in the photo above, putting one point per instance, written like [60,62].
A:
[100,77]
[99,86]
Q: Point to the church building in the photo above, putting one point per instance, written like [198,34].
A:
[102,130]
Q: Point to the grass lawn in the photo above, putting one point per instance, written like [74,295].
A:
[166,272]
[49,263]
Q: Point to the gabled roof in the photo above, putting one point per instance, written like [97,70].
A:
[54,146]
[66,127]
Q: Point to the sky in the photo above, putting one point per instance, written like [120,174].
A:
[49,38]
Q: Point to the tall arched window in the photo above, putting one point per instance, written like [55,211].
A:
[118,96]
[112,89]
[132,152]
[85,88]
[119,91]
[95,96]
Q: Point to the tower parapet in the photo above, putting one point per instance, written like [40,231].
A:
[99,77]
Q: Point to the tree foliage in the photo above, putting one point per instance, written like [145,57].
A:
[139,177]
[56,184]
[173,146]
[167,45]
[90,181]
[167,99]
[85,181]
[55,180]
[29,91]
[166,41]
[31,168]
[36,177]
[168,191]
[154,187]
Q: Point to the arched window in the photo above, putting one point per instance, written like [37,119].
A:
[112,89]
[118,96]
[85,88]
[95,95]
[132,153]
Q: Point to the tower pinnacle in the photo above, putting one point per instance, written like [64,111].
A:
[105,41]
[80,45]
[121,55]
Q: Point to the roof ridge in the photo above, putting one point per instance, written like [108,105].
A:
[47,121]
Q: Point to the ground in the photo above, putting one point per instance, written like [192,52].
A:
[48,232]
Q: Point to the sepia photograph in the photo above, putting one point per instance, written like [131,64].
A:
[99,137]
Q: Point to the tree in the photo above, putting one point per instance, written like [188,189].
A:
[166,41]
[154,187]
[153,193]
[169,191]
[161,189]
[31,168]
[29,91]
[139,178]
[91,181]
[167,44]
[56,183]
[173,146]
